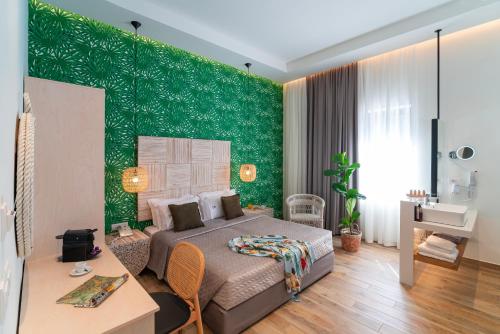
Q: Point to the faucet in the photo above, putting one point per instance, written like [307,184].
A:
[470,188]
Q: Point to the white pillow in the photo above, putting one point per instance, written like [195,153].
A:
[211,204]
[162,218]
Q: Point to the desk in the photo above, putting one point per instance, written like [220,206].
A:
[129,309]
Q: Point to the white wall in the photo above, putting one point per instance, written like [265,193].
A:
[470,113]
[13,67]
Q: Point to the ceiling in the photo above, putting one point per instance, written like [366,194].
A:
[287,39]
[292,29]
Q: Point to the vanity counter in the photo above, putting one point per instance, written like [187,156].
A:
[406,236]
[458,231]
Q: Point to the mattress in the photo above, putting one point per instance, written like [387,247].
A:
[252,310]
[255,275]
[232,278]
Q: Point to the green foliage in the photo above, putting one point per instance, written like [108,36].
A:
[179,95]
[341,185]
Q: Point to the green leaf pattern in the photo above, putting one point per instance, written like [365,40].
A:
[179,95]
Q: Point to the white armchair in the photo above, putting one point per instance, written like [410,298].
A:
[306,209]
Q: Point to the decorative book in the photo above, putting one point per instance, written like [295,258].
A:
[94,291]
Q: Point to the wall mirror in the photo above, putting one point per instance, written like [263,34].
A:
[463,153]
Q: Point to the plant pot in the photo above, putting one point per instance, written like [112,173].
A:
[351,242]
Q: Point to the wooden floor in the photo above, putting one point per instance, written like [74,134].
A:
[363,295]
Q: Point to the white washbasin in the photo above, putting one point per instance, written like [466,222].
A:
[449,214]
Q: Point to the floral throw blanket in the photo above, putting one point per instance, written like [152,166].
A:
[297,255]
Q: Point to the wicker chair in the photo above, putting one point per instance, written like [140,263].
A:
[185,271]
[306,209]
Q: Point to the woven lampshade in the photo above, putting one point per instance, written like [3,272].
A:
[248,172]
[135,179]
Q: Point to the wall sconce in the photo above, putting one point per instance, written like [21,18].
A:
[248,172]
[135,179]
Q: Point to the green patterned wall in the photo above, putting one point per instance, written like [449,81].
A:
[179,95]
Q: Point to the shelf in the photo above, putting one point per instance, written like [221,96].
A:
[441,263]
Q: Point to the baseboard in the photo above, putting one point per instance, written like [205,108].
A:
[481,263]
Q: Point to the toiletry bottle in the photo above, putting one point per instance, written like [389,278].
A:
[417,213]
[420,213]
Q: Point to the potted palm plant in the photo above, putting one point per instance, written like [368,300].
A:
[350,232]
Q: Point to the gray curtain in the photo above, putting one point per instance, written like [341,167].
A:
[332,126]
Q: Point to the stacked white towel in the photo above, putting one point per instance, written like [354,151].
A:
[441,243]
[438,248]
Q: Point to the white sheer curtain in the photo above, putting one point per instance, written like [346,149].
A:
[395,108]
[294,138]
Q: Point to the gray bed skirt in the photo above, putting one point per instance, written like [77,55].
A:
[249,312]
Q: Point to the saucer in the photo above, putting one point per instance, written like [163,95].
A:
[75,273]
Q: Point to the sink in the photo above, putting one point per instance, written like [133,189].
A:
[442,213]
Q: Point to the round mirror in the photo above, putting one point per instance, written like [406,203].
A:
[463,153]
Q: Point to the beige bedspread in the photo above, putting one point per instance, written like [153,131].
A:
[232,278]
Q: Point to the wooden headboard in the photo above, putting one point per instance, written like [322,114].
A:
[180,166]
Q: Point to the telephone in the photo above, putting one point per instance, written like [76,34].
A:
[125,231]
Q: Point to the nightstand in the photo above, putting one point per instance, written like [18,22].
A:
[260,211]
[132,251]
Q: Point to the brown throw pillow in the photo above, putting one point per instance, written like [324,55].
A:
[185,216]
[231,206]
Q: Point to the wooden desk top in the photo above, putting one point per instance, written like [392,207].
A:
[46,280]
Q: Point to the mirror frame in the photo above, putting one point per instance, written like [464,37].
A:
[454,154]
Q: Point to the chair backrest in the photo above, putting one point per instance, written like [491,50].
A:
[185,271]
[305,203]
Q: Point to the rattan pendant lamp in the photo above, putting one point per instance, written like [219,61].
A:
[248,172]
[135,179]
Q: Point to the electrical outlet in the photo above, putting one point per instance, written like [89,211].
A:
[115,227]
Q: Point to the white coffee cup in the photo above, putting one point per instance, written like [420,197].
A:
[80,267]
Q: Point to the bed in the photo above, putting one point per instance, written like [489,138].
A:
[237,290]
